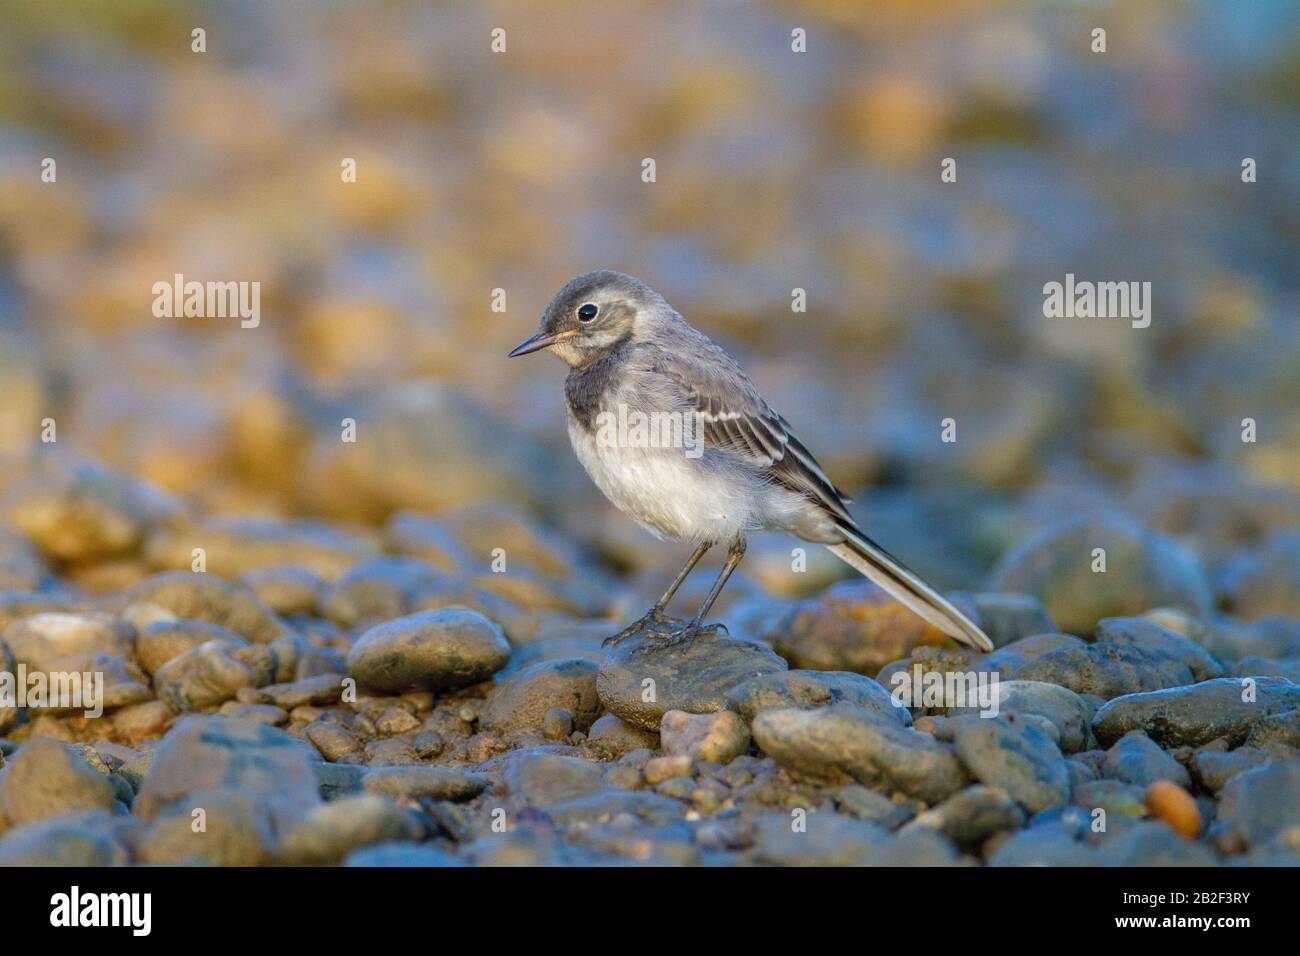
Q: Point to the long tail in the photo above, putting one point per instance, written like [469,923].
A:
[884,569]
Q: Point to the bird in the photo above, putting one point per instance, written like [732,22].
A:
[711,461]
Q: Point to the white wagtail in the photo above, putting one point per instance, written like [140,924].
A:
[630,353]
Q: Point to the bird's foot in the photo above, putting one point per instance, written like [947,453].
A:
[682,636]
[653,617]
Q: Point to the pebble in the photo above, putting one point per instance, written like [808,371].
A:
[971,816]
[1146,633]
[261,713]
[1020,759]
[47,779]
[320,690]
[518,706]
[162,641]
[287,589]
[335,829]
[855,626]
[1214,768]
[335,742]
[203,753]
[659,769]
[380,589]
[1171,803]
[1117,798]
[719,737]
[557,724]
[436,783]
[425,537]
[808,689]
[1007,618]
[79,511]
[872,806]
[828,839]
[431,650]
[1193,715]
[1107,670]
[615,737]
[68,642]
[536,778]
[212,673]
[233,833]
[1149,843]
[1260,806]
[845,742]
[1136,758]
[1069,713]
[1144,570]
[640,686]
[81,839]
[1264,581]
[238,545]
[206,597]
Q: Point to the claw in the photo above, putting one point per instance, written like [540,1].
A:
[683,636]
[653,616]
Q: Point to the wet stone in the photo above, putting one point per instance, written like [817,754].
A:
[286,589]
[205,597]
[1136,758]
[719,737]
[320,690]
[433,650]
[221,753]
[615,737]
[809,689]
[1144,570]
[48,779]
[1226,707]
[85,838]
[1069,713]
[234,833]
[335,829]
[1147,634]
[212,673]
[1108,670]
[238,545]
[971,816]
[519,705]
[855,626]
[163,641]
[639,686]
[1022,760]
[437,783]
[380,589]
[57,641]
[1260,805]
[844,742]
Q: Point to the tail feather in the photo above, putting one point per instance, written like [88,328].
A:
[884,569]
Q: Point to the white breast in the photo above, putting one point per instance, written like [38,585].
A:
[670,494]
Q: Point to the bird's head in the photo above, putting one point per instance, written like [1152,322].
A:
[591,315]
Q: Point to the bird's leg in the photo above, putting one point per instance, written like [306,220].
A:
[656,613]
[696,626]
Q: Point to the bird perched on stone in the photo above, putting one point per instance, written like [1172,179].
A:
[677,437]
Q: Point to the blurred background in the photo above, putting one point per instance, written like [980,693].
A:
[775,170]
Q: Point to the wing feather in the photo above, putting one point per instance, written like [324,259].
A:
[739,421]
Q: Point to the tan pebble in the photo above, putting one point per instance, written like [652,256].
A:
[660,769]
[1175,806]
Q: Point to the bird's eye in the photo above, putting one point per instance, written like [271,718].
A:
[587,312]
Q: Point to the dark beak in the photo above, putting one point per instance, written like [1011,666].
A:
[538,342]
